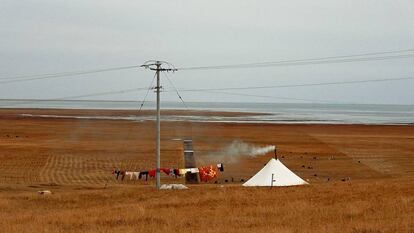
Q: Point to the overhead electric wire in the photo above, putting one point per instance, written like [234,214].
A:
[295,63]
[176,91]
[25,78]
[373,56]
[319,60]
[278,97]
[298,85]
[310,61]
[73,72]
[69,98]
[146,94]
[102,93]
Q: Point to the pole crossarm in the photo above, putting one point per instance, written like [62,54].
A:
[158,66]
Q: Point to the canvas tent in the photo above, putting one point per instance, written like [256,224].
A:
[282,176]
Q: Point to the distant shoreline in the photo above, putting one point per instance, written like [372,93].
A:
[170,115]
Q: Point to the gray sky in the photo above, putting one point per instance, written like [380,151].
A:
[56,36]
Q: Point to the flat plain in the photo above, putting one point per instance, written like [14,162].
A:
[361,176]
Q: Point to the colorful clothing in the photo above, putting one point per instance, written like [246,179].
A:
[165,170]
[152,173]
[135,175]
[116,172]
[176,172]
[194,170]
[129,174]
[122,173]
[207,173]
[220,166]
[142,174]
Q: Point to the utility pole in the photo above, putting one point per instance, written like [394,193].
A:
[158,140]
[157,67]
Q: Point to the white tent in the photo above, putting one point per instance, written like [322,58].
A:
[281,175]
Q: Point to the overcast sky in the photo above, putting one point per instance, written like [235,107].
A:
[48,36]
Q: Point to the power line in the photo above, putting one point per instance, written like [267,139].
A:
[25,78]
[176,91]
[278,97]
[297,85]
[102,93]
[146,94]
[296,63]
[69,98]
[211,90]
[319,60]
[310,61]
[72,72]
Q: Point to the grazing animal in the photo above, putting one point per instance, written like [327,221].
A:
[44,192]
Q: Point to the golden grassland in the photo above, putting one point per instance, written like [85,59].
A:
[73,158]
[386,206]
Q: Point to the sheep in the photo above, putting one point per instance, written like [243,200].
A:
[44,192]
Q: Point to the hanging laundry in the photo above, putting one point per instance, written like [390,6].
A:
[135,175]
[152,173]
[166,170]
[220,166]
[194,170]
[129,174]
[171,172]
[207,173]
[182,172]
[116,172]
[122,174]
[142,174]
[177,172]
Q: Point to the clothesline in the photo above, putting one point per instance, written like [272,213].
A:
[206,173]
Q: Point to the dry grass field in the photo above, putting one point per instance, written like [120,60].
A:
[74,157]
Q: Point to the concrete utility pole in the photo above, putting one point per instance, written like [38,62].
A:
[157,67]
[158,140]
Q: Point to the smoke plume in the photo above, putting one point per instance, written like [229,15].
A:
[238,149]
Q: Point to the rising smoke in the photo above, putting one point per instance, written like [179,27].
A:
[238,149]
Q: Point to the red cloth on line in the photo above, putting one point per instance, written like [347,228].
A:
[165,170]
[151,173]
[207,173]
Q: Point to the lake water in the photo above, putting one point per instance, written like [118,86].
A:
[276,112]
